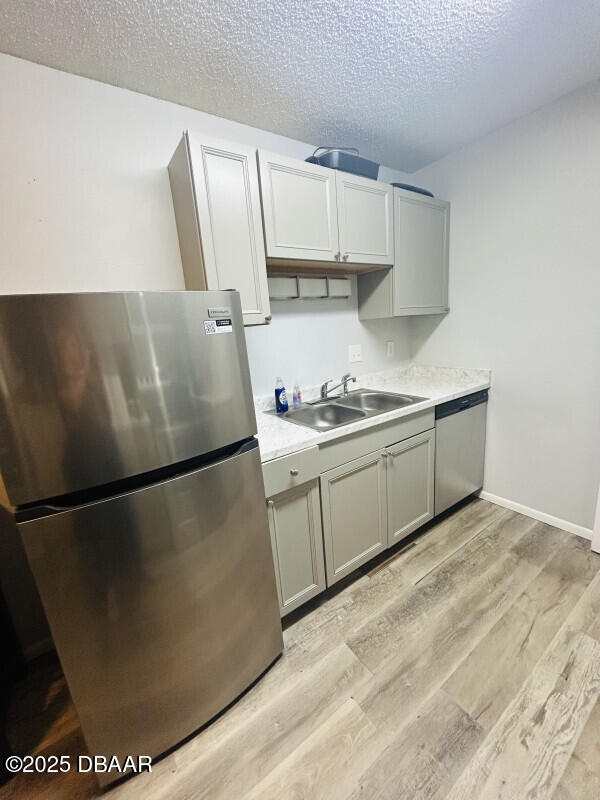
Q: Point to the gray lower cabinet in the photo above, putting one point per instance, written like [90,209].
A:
[354,504]
[410,475]
[297,542]
[363,507]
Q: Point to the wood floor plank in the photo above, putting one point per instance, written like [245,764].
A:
[585,617]
[58,786]
[526,752]
[473,569]
[542,540]
[239,749]
[327,765]
[444,539]
[419,668]
[488,679]
[581,778]
[371,593]
[341,614]
[426,758]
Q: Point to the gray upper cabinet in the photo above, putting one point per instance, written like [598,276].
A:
[354,505]
[410,473]
[297,542]
[418,281]
[365,220]
[421,228]
[299,209]
[216,199]
[316,214]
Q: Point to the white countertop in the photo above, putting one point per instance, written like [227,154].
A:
[277,437]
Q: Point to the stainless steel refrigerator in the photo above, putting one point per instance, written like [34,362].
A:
[127,449]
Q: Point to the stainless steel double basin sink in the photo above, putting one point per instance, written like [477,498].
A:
[324,415]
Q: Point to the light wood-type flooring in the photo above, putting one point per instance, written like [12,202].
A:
[464,665]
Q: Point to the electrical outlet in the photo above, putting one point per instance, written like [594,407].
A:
[354,353]
[390,349]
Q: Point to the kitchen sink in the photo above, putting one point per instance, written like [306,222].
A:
[324,416]
[359,404]
[376,401]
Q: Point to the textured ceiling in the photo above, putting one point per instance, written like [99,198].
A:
[407,82]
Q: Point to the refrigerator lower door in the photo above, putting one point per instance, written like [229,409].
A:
[162,603]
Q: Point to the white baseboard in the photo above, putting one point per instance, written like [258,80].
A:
[563,524]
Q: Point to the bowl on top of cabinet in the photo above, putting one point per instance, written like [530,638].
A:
[346,159]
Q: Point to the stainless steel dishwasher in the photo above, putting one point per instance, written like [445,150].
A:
[459,448]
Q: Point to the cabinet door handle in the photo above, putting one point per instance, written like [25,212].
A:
[293,472]
[384,453]
[270,503]
[345,258]
[337,256]
[268,318]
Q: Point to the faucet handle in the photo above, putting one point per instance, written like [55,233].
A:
[324,388]
[345,380]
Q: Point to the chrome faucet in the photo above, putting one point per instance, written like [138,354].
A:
[345,380]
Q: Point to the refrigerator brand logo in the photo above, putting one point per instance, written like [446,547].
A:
[219,312]
[218,326]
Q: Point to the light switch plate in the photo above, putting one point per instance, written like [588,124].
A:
[354,353]
[390,349]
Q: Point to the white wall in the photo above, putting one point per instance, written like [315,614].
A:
[308,342]
[85,204]
[84,192]
[524,298]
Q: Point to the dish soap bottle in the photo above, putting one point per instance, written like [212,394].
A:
[297,396]
[281,403]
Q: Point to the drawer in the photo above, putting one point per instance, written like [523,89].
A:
[355,445]
[284,473]
[282,287]
[312,287]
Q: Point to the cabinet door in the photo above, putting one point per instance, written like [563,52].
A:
[297,542]
[420,277]
[365,220]
[299,209]
[354,504]
[410,467]
[227,196]
[418,281]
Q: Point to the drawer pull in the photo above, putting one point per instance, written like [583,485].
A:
[293,472]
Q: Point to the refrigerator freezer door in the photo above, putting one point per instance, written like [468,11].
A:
[99,387]
[161,602]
